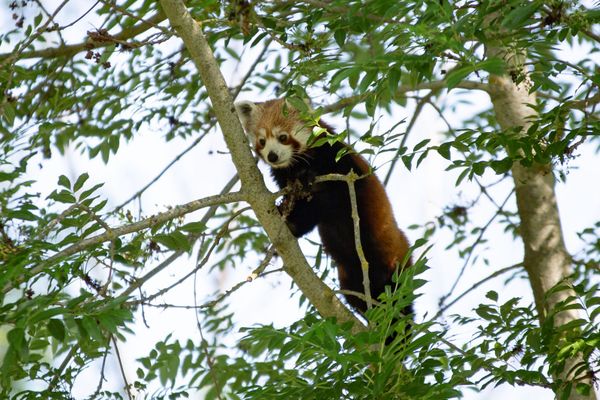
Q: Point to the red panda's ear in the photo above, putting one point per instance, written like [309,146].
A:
[248,113]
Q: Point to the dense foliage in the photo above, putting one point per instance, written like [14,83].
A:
[75,264]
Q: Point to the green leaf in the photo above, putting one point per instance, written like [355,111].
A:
[16,337]
[492,295]
[407,160]
[520,15]
[38,344]
[393,76]
[8,176]
[340,37]
[62,197]
[109,322]
[493,65]
[369,77]
[106,54]
[486,312]
[479,168]
[9,113]
[80,181]
[91,327]
[298,103]
[194,227]
[105,151]
[583,388]
[456,76]
[174,241]
[339,77]
[37,20]
[64,181]
[85,194]
[444,150]
[24,215]
[462,176]
[57,329]
[501,166]
[45,314]
[421,144]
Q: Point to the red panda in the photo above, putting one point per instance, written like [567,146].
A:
[281,139]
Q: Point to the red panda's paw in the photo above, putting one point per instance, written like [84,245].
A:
[306,177]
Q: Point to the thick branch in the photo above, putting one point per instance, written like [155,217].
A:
[72,49]
[320,295]
[126,229]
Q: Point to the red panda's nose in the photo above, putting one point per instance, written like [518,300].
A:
[272,157]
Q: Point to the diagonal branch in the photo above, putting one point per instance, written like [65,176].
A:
[126,229]
[319,294]
[72,49]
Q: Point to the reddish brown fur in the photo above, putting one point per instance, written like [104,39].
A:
[384,245]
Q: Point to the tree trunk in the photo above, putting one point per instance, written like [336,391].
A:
[546,259]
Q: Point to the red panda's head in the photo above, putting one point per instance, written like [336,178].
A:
[276,129]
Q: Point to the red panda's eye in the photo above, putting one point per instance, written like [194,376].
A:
[261,141]
[283,138]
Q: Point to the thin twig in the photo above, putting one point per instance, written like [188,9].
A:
[62,367]
[191,238]
[356,294]
[263,264]
[239,87]
[102,378]
[472,247]
[202,263]
[167,167]
[80,17]
[364,264]
[111,247]
[118,354]
[227,293]
[591,35]
[409,128]
[475,286]
[258,272]
[235,93]
[44,232]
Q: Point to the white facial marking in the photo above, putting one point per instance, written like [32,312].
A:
[276,153]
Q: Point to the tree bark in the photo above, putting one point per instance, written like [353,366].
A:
[545,256]
[253,186]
